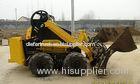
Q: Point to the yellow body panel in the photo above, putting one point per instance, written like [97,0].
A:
[51,41]
[16,50]
[53,46]
[54,49]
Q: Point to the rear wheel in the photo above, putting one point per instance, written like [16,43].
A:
[73,64]
[40,63]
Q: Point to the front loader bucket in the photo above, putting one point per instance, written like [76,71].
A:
[121,38]
[123,43]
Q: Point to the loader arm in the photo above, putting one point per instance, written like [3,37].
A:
[67,37]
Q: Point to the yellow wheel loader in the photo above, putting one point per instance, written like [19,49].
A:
[49,46]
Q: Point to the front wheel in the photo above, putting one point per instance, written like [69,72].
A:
[74,63]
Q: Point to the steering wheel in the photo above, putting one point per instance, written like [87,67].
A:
[38,18]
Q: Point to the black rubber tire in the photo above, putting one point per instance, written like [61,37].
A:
[41,61]
[75,61]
